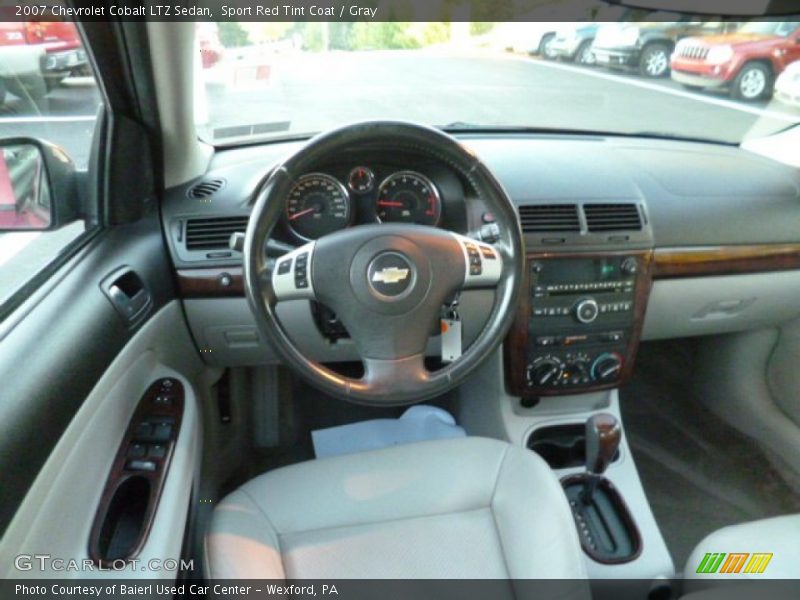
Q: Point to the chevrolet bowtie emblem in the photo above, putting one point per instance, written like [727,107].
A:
[389,275]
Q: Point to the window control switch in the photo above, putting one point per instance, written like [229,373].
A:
[157,451]
[137,451]
[162,432]
[144,431]
[141,465]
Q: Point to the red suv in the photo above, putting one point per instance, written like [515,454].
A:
[745,62]
[35,56]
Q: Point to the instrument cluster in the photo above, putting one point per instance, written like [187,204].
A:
[323,202]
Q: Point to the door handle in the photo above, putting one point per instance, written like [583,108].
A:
[128,294]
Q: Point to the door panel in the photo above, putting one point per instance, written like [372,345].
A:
[56,347]
[57,514]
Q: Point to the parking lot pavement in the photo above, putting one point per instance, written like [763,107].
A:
[304,92]
[66,116]
[310,93]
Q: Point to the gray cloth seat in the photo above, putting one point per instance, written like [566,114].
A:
[459,508]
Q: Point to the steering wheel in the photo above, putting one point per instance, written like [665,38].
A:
[387,283]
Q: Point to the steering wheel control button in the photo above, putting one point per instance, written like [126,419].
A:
[484,266]
[291,278]
[284,266]
[391,275]
[475,264]
[301,271]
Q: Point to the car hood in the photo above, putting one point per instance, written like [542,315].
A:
[737,39]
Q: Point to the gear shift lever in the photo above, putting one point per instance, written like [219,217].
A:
[605,525]
[603,434]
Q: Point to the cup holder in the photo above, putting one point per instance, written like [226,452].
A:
[561,446]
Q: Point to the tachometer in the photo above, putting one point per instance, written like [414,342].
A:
[408,197]
[318,204]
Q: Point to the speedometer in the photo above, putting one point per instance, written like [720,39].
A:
[408,197]
[318,204]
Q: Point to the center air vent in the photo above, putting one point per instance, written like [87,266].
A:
[212,232]
[612,217]
[205,188]
[549,218]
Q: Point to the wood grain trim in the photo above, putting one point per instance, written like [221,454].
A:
[703,261]
[515,349]
[146,409]
[207,283]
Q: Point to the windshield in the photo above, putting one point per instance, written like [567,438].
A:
[261,81]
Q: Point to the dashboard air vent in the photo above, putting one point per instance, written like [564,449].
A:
[205,188]
[612,217]
[549,218]
[212,232]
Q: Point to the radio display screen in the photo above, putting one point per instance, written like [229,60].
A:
[580,270]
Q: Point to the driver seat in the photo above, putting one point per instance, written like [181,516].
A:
[447,509]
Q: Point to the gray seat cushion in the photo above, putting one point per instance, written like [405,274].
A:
[459,508]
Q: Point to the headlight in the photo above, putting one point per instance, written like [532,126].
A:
[719,54]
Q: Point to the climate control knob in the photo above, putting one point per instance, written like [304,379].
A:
[545,371]
[587,310]
[606,367]
[629,266]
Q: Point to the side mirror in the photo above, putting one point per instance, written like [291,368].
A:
[37,186]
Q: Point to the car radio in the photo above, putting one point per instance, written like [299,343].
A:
[581,322]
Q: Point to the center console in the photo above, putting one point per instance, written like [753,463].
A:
[578,324]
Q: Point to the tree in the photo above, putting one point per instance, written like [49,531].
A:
[232,35]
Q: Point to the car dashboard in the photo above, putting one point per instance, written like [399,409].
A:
[627,239]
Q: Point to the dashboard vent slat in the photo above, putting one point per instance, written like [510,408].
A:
[612,217]
[212,232]
[549,218]
[205,188]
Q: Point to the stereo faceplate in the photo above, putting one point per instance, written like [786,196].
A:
[581,322]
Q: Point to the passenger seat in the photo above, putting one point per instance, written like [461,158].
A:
[775,542]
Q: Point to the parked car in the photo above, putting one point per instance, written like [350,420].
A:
[787,85]
[527,37]
[646,46]
[23,204]
[746,63]
[36,56]
[211,48]
[574,43]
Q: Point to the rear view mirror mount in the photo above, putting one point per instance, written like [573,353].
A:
[37,186]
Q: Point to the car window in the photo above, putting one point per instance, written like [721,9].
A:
[787,28]
[287,79]
[47,91]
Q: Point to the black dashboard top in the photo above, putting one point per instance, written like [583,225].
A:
[687,193]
